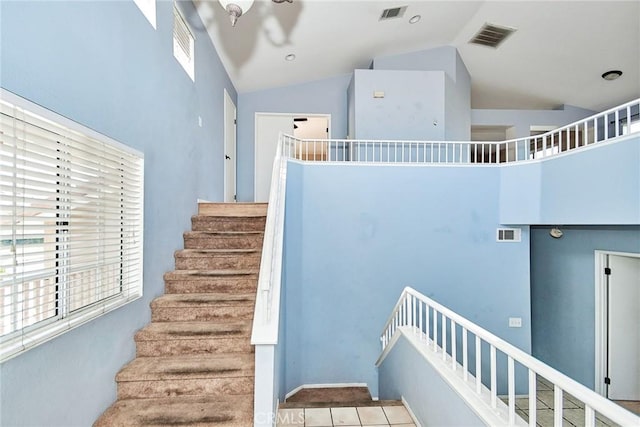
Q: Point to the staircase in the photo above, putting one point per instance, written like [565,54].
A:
[194,363]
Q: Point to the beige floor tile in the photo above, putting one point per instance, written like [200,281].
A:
[345,417]
[290,417]
[317,417]
[544,418]
[372,416]
[403,425]
[397,415]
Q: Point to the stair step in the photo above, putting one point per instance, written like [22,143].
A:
[223,240]
[232,209]
[217,281]
[165,376]
[175,338]
[217,259]
[227,223]
[202,307]
[194,411]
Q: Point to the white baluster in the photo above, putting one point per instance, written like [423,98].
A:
[532,398]
[465,355]
[589,416]
[494,386]
[557,406]
[420,317]
[478,365]
[453,345]
[435,330]
[444,337]
[511,379]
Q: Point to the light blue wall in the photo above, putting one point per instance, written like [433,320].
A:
[103,65]
[438,59]
[406,374]
[363,233]
[600,185]
[328,96]
[458,102]
[413,107]
[521,120]
[563,293]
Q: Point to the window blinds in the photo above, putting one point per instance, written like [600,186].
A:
[71,222]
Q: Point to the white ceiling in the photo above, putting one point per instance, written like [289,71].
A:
[556,57]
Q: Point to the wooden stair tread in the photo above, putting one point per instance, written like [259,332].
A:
[193,330]
[187,367]
[210,252]
[226,411]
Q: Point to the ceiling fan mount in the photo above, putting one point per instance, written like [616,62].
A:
[236,8]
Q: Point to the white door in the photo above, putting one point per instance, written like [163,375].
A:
[624,328]
[268,128]
[229,149]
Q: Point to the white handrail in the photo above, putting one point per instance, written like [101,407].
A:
[267,309]
[595,129]
[425,317]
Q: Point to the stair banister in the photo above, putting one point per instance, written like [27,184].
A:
[266,318]
[403,318]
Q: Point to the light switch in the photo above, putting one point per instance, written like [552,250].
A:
[515,322]
[378,94]
[199,121]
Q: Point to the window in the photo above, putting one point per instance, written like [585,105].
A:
[71,205]
[148,9]
[183,43]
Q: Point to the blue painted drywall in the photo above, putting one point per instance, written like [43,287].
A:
[363,233]
[520,121]
[328,96]
[457,90]
[413,107]
[423,388]
[597,185]
[103,65]
[563,293]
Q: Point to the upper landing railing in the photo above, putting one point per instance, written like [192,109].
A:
[605,126]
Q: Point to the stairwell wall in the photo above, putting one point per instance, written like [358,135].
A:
[369,231]
[101,63]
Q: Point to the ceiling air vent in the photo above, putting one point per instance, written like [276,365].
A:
[491,35]
[391,13]
[508,235]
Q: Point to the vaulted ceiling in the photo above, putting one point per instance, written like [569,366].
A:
[556,56]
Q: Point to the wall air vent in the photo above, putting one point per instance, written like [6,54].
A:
[492,35]
[392,13]
[508,235]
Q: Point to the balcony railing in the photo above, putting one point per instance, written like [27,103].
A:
[602,127]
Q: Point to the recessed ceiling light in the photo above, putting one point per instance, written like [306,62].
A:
[611,75]
[290,57]
[414,19]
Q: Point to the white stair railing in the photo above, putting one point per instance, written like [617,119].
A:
[440,329]
[605,126]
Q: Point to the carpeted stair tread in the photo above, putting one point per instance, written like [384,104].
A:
[187,367]
[192,411]
[191,330]
[185,253]
[201,300]
[228,223]
[221,233]
[205,274]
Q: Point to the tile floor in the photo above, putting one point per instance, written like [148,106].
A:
[396,416]
[572,408]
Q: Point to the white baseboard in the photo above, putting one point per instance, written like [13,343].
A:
[330,385]
[413,416]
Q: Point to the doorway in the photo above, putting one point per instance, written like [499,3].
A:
[229,149]
[268,127]
[617,320]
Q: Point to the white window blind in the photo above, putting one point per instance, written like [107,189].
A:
[71,222]
[183,43]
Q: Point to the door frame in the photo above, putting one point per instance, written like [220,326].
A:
[232,197]
[255,136]
[601,303]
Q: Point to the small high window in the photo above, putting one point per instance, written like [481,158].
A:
[183,43]
[148,8]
